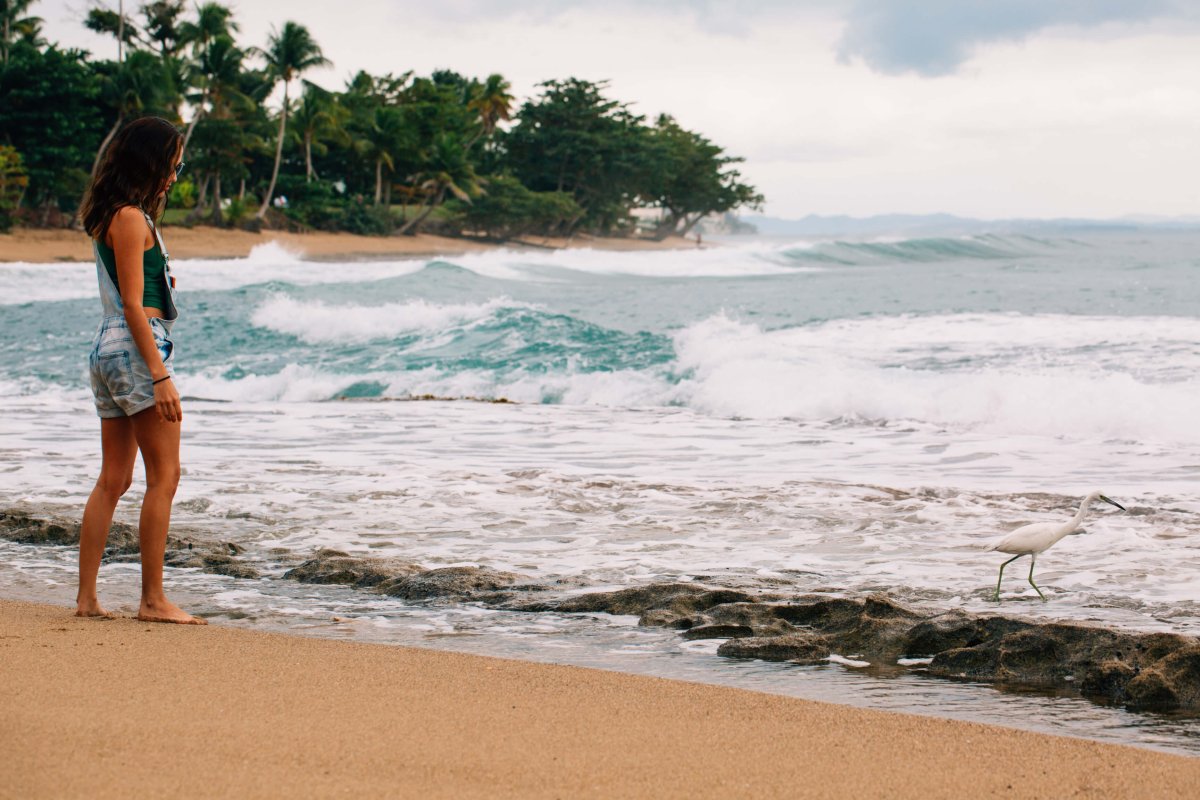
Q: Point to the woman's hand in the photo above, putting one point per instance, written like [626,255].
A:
[166,400]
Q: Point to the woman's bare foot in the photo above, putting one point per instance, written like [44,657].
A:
[166,611]
[92,608]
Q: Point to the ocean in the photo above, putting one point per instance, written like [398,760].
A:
[837,417]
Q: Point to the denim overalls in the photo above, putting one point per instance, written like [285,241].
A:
[121,380]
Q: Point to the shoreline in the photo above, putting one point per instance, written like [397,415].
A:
[37,245]
[229,711]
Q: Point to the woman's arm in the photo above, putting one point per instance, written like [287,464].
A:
[127,233]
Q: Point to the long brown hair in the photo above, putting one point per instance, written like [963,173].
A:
[134,170]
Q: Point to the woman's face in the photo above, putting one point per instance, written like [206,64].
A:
[176,163]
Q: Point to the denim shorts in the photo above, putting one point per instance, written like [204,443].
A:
[121,382]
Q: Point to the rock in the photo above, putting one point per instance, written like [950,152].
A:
[449,582]
[718,632]
[334,566]
[209,557]
[800,648]
[1150,690]
[662,618]
[637,600]
[1107,681]
[17,526]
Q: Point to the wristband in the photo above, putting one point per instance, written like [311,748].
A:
[160,380]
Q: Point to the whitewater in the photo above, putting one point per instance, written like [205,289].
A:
[839,417]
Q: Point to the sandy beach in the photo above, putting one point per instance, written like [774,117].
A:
[114,708]
[38,245]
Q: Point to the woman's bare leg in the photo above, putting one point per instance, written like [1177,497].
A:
[159,442]
[119,450]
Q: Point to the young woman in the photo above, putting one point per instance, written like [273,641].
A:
[131,362]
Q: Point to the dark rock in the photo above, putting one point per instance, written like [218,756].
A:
[718,632]
[334,566]
[1181,670]
[1150,690]
[17,526]
[875,625]
[662,618]
[800,648]
[1107,681]
[637,600]
[223,564]
[449,582]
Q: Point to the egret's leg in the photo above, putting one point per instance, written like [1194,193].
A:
[1032,561]
[1002,566]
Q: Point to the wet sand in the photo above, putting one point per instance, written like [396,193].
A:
[118,708]
[44,246]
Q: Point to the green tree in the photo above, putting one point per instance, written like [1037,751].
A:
[213,48]
[224,141]
[574,139]
[691,179]
[289,53]
[14,26]
[48,112]
[508,211]
[318,118]
[141,85]
[13,182]
[379,132]
[446,170]
[163,26]
[492,103]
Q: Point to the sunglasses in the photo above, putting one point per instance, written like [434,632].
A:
[179,168]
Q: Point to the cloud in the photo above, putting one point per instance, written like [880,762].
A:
[935,37]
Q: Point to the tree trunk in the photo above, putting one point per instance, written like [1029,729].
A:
[262,212]
[187,137]
[113,132]
[242,191]
[378,180]
[217,217]
[688,225]
[415,222]
[201,196]
[308,167]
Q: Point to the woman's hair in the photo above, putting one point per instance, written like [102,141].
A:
[132,172]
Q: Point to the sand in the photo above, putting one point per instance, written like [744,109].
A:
[43,246]
[126,709]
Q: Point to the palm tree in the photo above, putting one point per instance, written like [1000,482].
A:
[289,53]
[13,25]
[140,86]
[492,102]
[213,22]
[319,117]
[447,170]
[221,65]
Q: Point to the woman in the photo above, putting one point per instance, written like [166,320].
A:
[131,362]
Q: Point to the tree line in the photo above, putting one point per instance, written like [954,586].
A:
[393,153]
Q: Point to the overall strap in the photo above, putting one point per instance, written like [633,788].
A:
[162,248]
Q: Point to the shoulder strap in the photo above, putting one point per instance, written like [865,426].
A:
[162,248]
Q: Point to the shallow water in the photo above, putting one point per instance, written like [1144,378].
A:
[849,417]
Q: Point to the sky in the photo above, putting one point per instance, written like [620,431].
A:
[981,108]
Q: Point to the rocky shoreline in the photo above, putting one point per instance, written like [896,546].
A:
[1138,671]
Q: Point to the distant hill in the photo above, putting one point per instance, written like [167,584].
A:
[948,224]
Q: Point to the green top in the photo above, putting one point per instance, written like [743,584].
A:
[154,289]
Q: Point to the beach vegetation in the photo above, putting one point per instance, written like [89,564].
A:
[392,153]
[289,53]
[13,182]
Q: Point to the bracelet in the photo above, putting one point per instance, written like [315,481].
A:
[160,380]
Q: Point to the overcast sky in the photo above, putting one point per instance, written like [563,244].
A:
[986,108]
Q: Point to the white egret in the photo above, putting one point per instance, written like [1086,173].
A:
[1029,540]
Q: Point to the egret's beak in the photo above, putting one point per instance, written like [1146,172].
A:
[1112,502]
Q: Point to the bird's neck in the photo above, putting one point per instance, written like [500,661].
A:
[1077,520]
